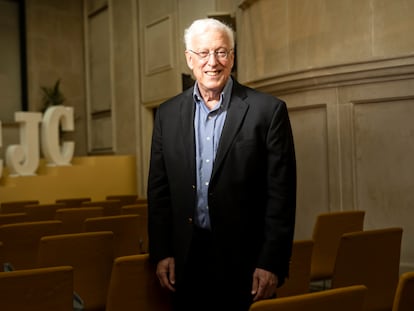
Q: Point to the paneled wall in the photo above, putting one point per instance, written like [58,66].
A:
[55,50]
[346,71]
[111,75]
[292,36]
[355,145]
[99,69]
[10,60]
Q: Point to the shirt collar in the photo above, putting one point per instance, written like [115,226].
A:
[225,94]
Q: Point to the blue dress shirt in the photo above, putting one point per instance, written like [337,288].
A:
[208,125]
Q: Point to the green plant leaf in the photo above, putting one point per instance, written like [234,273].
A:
[52,95]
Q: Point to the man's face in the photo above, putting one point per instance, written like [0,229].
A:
[212,71]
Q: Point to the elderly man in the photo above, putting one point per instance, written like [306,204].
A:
[222,184]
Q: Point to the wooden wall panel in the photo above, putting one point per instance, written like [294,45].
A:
[378,137]
[309,126]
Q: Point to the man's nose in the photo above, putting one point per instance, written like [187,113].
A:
[212,58]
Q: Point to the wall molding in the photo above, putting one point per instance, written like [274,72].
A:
[158,36]
[338,75]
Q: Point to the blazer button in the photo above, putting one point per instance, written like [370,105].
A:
[190,220]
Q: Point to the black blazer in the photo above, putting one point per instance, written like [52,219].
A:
[252,191]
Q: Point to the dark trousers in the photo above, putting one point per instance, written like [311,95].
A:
[204,287]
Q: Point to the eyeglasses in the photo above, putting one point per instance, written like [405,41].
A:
[221,54]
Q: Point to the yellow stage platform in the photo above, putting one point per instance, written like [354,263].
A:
[94,177]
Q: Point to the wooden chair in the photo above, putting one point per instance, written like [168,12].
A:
[16,206]
[134,286]
[42,289]
[12,218]
[126,229]
[371,258]
[21,241]
[91,256]
[40,212]
[350,298]
[124,198]
[110,207]
[72,218]
[404,295]
[299,270]
[73,202]
[142,211]
[327,232]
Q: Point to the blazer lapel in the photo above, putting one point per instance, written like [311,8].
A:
[235,115]
[187,129]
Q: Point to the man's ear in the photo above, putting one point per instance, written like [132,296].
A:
[189,59]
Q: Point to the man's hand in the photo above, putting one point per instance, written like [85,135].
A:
[166,273]
[264,284]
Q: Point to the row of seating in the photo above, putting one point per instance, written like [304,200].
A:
[111,205]
[132,285]
[26,223]
[129,284]
[72,217]
[369,258]
[21,240]
[347,298]
[76,234]
[326,256]
[343,253]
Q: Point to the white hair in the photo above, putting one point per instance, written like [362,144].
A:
[201,25]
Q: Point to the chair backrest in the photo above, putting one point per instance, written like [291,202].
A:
[21,241]
[134,286]
[39,212]
[126,229]
[110,207]
[299,270]
[327,232]
[91,256]
[16,206]
[124,198]
[73,217]
[350,298]
[42,289]
[141,210]
[12,218]
[137,209]
[73,202]
[404,295]
[371,258]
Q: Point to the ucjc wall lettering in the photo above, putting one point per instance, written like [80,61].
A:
[23,159]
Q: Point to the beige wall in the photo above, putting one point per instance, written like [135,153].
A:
[55,50]
[288,36]
[10,62]
[346,71]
